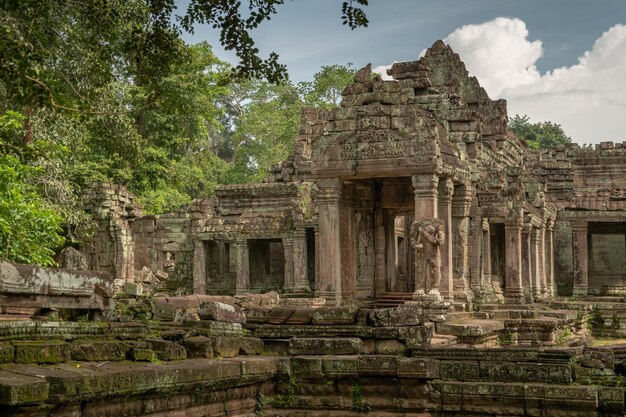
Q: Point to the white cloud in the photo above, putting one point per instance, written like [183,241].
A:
[588,99]
[498,53]
[382,70]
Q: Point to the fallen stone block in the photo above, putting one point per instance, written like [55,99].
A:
[138,354]
[136,289]
[215,328]
[459,371]
[98,350]
[422,368]
[167,350]
[257,369]
[415,336]
[403,315]
[377,365]
[307,366]
[255,300]
[220,312]
[334,315]
[251,346]
[89,381]
[334,366]
[494,399]
[598,358]
[48,351]
[16,389]
[257,314]
[324,346]
[130,330]
[199,347]
[470,328]
[390,347]
[525,372]
[279,315]
[226,346]
[301,316]
[36,287]
[7,353]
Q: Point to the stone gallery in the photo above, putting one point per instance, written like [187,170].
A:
[412,257]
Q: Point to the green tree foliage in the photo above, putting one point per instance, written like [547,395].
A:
[107,91]
[260,124]
[538,135]
[62,54]
[328,83]
[261,119]
[30,229]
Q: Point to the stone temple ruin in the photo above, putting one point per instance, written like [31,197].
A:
[411,257]
[339,219]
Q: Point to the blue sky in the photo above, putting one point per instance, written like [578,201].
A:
[524,50]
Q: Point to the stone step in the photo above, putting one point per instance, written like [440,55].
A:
[442,340]
[470,327]
[392,299]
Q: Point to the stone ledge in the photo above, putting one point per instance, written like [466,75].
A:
[472,328]
[21,389]
[87,381]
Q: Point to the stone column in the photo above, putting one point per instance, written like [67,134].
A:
[288,275]
[199,267]
[580,254]
[513,260]
[425,188]
[347,244]
[329,241]
[550,258]
[316,284]
[535,261]
[486,264]
[542,261]
[379,252]
[446,190]
[527,270]
[300,261]
[242,267]
[391,254]
[461,205]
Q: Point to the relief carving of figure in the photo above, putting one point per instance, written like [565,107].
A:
[427,235]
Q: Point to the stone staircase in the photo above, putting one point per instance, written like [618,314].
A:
[392,299]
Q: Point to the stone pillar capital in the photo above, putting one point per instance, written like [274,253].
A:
[536,235]
[513,223]
[446,190]
[462,200]
[580,226]
[329,190]
[425,181]
[241,241]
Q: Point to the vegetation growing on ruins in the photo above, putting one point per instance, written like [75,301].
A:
[538,135]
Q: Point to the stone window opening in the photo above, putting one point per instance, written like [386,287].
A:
[607,257]
[266,264]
